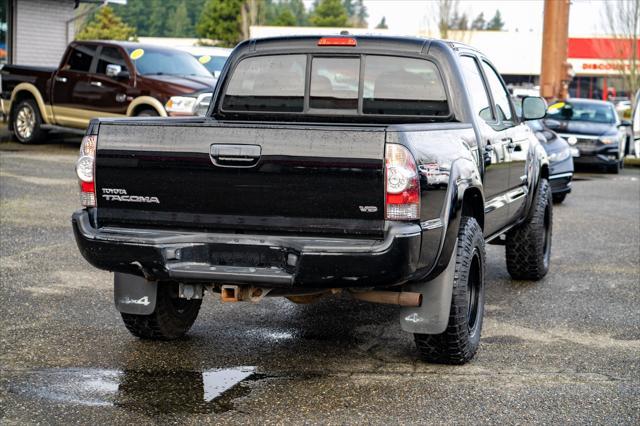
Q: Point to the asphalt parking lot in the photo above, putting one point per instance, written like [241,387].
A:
[563,350]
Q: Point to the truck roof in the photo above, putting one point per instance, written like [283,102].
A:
[363,42]
[128,44]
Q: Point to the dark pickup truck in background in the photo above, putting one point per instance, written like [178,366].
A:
[101,79]
[377,166]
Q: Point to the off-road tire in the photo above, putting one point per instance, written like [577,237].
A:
[26,113]
[528,247]
[559,198]
[171,319]
[459,342]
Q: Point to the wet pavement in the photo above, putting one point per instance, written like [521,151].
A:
[566,349]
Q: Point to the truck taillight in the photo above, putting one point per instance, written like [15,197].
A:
[85,169]
[402,184]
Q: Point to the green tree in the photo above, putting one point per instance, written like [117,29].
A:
[463,23]
[181,25]
[221,20]
[298,10]
[496,23]
[149,16]
[383,24]
[479,23]
[157,18]
[459,22]
[106,25]
[285,18]
[279,13]
[356,13]
[361,15]
[329,13]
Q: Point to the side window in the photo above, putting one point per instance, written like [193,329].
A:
[500,95]
[80,58]
[267,83]
[110,56]
[479,98]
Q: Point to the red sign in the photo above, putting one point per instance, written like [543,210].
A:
[601,48]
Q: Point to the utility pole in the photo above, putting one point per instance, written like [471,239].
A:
[555,73]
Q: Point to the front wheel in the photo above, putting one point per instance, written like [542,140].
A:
[460,341]
[614,168]
[26,123]
[171,319]
[528,246]
[147,112]
[559,198]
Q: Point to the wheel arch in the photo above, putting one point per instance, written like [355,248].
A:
[145,102]
[29,91]
[473,204]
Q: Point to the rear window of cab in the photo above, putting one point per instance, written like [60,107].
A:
[344,85]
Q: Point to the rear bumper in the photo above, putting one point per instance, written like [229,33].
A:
[269,261]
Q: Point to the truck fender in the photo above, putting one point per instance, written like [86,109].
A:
[134,295]
[45,110]
[463,176]
[538,168]
[148,101]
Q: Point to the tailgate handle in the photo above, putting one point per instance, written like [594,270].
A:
[226,155]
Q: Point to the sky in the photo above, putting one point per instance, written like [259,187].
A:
[412,16]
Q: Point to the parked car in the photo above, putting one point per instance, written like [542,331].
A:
[560,155]
[387,190]
[213,58]
[100,79]
[594,128]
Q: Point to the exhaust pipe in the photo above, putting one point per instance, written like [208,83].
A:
[399,298]
[236,293]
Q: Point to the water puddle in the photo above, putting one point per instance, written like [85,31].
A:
[149,392]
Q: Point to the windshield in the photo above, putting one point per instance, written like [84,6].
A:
[213,64]
[582,111]
[150,61]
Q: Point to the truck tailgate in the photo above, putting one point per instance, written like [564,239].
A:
[241,177]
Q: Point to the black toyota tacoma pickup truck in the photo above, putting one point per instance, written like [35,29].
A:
[375,166]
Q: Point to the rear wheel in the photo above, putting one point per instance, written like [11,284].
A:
[528,246]
[26,122]
[171,319]
[460,341]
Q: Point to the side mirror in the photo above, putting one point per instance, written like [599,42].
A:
[123,75]
[533,108]
[113,70]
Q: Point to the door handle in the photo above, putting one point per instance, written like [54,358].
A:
[226,155]
[488,150]
[96,83]
[511,145]
[61,79]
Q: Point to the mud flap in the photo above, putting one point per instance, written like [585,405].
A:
[432,316]
[134,295]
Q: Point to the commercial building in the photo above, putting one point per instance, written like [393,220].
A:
[35,32]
